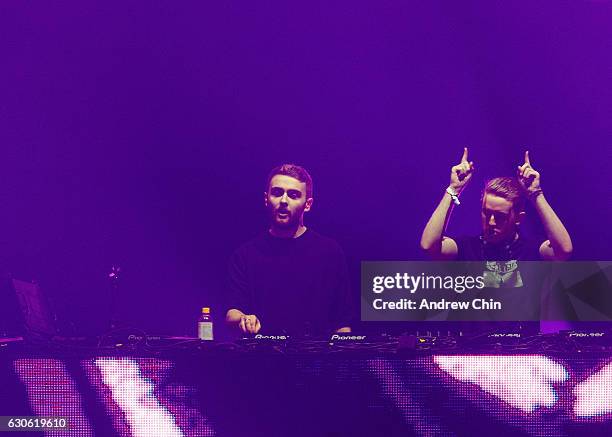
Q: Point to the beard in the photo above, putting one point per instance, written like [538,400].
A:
[292,219]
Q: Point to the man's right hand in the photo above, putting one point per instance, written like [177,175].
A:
[461,173]
[249,324]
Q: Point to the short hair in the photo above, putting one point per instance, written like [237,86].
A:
[508,188]
[294,171]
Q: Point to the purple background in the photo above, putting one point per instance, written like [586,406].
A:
[140,133]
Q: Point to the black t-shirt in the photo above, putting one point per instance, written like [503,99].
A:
[476,249]
[502,269]
[293,285]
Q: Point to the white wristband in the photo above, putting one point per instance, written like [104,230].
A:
[453,195]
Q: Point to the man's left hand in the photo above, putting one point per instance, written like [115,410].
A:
[528,177]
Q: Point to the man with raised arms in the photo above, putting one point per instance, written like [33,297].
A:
[501,243]
[503,209]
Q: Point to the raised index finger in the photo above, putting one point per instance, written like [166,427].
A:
[465,155]
[527,157]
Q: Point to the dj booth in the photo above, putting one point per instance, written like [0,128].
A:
[501,385]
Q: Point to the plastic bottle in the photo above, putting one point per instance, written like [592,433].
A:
[205,325]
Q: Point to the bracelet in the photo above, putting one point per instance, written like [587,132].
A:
[535,194]
[453,195]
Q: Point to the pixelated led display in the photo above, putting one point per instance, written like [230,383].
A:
[429,395]
[134,395]
[594,395]
[52,391]
[524,382]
